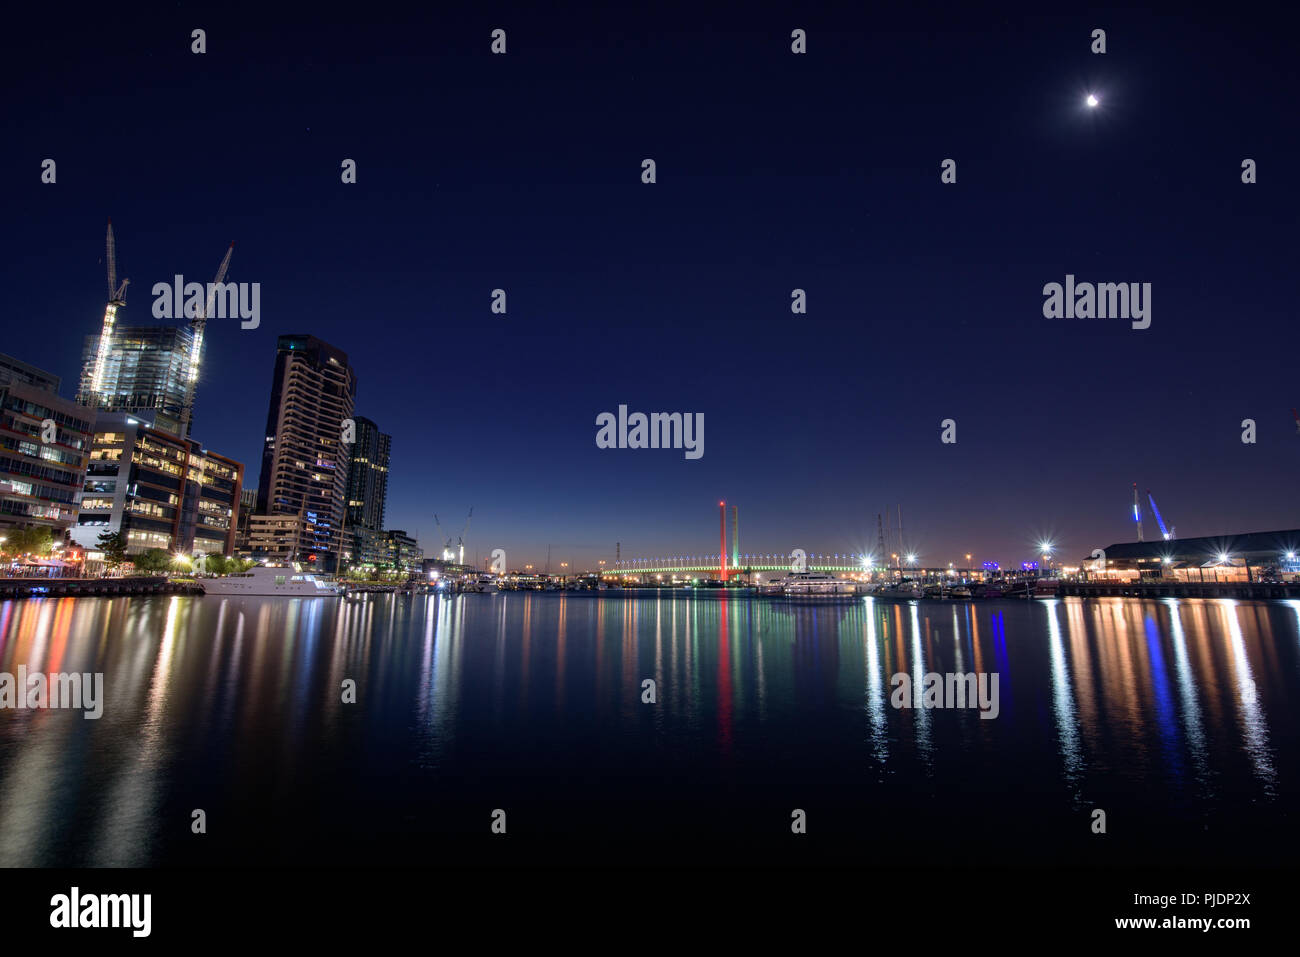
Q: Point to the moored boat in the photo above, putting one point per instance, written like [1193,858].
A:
[268,581]
[816,584]
[1018,589]
[904,590]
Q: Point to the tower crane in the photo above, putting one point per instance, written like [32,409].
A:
[116,300]
[197,325]
[1137,511]
[449,549]
[1168,533]
[446,548]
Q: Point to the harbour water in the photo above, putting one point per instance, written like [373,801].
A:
[1177,719]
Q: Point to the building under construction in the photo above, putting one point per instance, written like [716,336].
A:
[147,477]
[153,369]
[139,369]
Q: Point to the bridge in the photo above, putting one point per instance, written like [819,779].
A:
[693,565]
[729,563]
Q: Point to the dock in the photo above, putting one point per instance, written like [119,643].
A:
[1245,591]
[84,587]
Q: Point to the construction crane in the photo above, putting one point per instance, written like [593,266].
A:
[116,300]
[449,549]
[1137,511]
[197,326]
[1168,533]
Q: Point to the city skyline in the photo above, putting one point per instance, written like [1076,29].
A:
[676,295]
[647,444]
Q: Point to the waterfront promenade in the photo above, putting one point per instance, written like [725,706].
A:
[74,587]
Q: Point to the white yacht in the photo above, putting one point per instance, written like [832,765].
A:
[269,581]
[816,583]
[481,584]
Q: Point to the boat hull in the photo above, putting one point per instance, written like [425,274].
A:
[256,592]
[269,582]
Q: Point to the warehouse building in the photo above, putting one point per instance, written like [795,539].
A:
[1245,557]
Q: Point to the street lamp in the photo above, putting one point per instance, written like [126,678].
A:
[1046,548]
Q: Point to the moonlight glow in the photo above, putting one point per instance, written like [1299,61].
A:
[1092,100]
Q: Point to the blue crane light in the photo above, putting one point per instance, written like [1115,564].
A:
[1166,532]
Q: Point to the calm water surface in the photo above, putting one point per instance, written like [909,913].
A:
[1177,718]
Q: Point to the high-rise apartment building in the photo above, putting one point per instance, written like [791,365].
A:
[367,494]
[243,524]
[303,481]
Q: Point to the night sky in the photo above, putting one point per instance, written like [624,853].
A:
[775,171]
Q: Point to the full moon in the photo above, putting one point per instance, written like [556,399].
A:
[1092,100]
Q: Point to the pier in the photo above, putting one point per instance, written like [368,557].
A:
[81,587]
[1258,591]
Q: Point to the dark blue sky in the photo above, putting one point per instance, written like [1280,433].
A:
[775,171]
